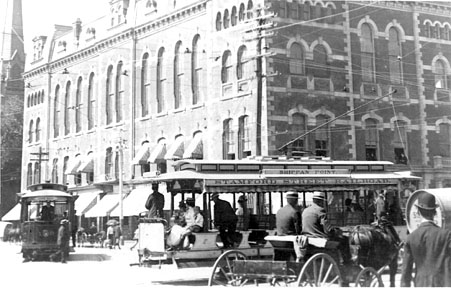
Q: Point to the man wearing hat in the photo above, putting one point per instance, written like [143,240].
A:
[155,203]
[289,218]
[225,220]
[63,240]
[429,247]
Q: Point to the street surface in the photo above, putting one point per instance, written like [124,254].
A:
[98,267]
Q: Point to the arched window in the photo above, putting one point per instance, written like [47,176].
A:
[38,100]
[55,171]
[437,31]
[28,101]
[227,140]
[318,12]
[322,137]
[226,67]
[234,17]
[30,132]
[371,140]
[218,22]
[109,163]
[161,80]
[38,130]
[226,19]
[428,31]
[65,164]
[242,13]
[297,128]
[37,173]
[395,56]
[306,11]
[446,33]
[241,63]
[445,139]
[29,174]
[400,142]
[250,7]
[91,102]
[367,53]
[56,112]
[119,92]
[244,137]
[145,85]
[296,59]
[320,66]
[67,109]
[196,69]
[109,95]
[178,74]
[42,96]
[329,14]
[78,106]
[440,75]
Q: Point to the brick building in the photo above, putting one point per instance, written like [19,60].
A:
[154,81]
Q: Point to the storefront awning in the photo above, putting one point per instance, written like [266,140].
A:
[104,206]
[176,150]
[84,202]
[87,164]
[13,214]
[195,149]
[134,203]
[142,155]
[157,153]
[73,166]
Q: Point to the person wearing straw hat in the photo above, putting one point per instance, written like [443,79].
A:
[289,218]
[429,248]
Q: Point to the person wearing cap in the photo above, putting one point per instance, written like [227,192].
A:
[155,203]
[429,248]
[63,240]
[289,218]
[225,220]
[316,224]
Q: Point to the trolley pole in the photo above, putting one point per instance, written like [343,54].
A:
[40,159]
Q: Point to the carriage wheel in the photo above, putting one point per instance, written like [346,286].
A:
[319,271]
[368,277]
[222,273]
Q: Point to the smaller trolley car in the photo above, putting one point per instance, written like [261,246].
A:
[43,207]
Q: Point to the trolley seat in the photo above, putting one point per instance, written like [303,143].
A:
[212,240]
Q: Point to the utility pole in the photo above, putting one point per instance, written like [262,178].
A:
[259,34]
[121,184]
[40,159]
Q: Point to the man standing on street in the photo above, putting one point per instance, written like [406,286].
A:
[63,240]
[225,220]
[155,203]
[429,247]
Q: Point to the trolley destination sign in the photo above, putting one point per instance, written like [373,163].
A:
[305,171]
[301,181]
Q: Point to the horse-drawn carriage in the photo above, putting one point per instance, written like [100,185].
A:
[318,261]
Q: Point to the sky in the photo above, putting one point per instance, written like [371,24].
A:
[42,15]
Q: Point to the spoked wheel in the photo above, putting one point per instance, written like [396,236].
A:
[368,277]
[222,273]
[320,270]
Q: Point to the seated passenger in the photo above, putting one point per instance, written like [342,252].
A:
[288,218]
[175,234]
[197,225]
[243,214]
[315,223]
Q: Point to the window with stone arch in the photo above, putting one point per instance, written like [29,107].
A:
[30,131]
[226,19]
[145,85]
[55,170]
[37,173]
[56,112]
[196,70]
[218,21]
[119,92]
[161,80]
[65,164]
[109,95]
[78,105]
[395,56]
[38,130]
[296,59]
[67,109]
[427,29]
[233,18]
[445,139]
[242,13]
[400,142]
[244,137]
[371,140]
[321,68]
[367,53]
[322,136]
[297,128]
[178,74]
[241,68]
[227,140]
[226,73]
[440,75]
[109,163]
[250,7]
[91,102]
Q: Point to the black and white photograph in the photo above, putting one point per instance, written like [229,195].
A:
[198,143]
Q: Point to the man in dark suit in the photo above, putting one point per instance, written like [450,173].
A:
[225,220]
[63,240]
[155,203]
[288,218]
[429,247]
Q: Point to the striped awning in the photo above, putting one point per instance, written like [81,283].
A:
[104,206]
[176,150]
[134,203]
[84,202]
[87,164]
[157,153]
[142,155]
[13,214]
[72,168]
[195,149]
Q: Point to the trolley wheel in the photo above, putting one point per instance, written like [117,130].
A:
[368,277]
[319,271]
[222,273]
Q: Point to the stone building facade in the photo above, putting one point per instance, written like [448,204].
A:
[153,81]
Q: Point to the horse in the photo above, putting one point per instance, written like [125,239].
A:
[376,245]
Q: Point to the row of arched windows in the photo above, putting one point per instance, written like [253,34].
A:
[305,11]
[34,131]
[437,30]
[229,19]
[244,66]
[35,99]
